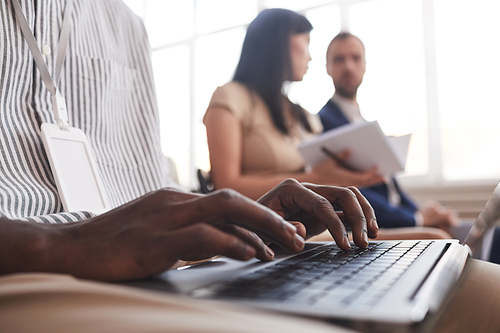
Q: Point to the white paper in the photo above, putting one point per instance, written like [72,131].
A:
[368,145]
[400,145]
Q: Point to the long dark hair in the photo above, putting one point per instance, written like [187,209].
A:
[265,62]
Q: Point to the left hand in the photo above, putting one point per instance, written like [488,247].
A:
[313,206]
[436,215]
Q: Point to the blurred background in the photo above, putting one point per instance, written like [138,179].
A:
[432,70]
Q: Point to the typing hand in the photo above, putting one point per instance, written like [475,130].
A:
[313,205]
[148,235]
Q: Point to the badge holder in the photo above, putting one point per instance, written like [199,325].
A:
[73,165]
[67,148]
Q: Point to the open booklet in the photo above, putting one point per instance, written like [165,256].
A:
[369,147]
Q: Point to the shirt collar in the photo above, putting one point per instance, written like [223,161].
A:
[349,108]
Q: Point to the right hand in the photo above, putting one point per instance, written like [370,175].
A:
[330,173]
[313,206]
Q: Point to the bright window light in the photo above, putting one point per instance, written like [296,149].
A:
[215,62]
[169,21]
[317,87]
[394,87]
[468,69]
[196,46]
[221,14]
[294,4]
[171,72]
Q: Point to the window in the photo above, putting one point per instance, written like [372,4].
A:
[214,66]
[215,15]
[432,69]
[169,21]
[394,88]
[317,87]
[172,79]
[468,72]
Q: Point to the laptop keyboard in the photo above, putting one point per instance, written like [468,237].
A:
[325,274]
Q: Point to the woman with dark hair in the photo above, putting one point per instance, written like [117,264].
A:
[253,129]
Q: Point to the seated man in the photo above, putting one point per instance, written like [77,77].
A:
[393,208]
[107,81]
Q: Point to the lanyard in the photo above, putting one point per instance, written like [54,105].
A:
[58,102]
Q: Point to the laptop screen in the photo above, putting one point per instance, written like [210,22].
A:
[486,221]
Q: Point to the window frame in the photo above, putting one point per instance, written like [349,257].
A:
[434,178]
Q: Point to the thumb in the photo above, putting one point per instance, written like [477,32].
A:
[344,154]
[301,229]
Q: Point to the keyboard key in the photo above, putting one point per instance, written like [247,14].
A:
[359,276]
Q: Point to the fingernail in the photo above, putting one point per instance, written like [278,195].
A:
[269,252]
[346,241]
[374,224]
[365,236]
[299,241]
[290,228]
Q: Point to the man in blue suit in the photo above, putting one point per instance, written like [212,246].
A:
[346,66]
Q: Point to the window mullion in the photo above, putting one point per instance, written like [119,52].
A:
[434,121]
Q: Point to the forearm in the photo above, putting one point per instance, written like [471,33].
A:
[24,247]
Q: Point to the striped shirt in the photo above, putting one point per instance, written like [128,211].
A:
[108,85]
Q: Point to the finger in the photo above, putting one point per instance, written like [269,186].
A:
[357,210]
[263,252]
[373,228]
[373,170]
[367,226]
[291,196]
[311,224]
[203,241]
[230,207]
[344,155]
[301,229]
[366,178]
[372,176]
[368,212]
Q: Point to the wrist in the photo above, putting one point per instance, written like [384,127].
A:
[26,247]
[57,249]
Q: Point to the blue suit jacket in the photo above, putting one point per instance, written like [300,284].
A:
[388,216]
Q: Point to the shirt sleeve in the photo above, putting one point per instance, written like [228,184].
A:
[60,218]
[235,98]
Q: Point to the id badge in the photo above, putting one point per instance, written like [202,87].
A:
[74,169]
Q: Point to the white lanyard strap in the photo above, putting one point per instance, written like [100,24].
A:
[58,102]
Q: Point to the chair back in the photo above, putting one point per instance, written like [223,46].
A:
[206,185]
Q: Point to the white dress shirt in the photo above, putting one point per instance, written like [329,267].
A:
[349,108]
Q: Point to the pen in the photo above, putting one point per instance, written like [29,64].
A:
[338,160]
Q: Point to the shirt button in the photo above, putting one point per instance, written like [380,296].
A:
[46,49]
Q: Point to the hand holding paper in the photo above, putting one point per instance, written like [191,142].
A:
[368,145]
[335,171]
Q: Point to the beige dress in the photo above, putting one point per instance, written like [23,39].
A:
[265,149]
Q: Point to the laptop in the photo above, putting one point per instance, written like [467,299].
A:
[389,284]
